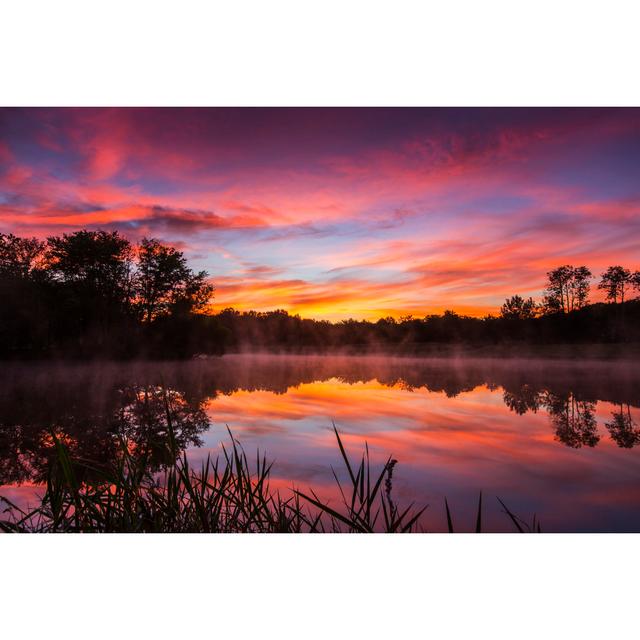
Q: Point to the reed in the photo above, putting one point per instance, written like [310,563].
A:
[223,495]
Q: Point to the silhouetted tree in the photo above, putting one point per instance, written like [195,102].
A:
[87,294]
[615,281]
[635,280]
[567,289]
[20,257]
[517,308]
[99,261]
[164,283]
[23,318]
[91,274]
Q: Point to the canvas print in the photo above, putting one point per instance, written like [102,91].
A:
[298,320]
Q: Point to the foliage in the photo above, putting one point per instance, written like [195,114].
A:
[93,294]
[567,288]
[517,308]
[19,257]
[164,284]
[616,281]
[623,429]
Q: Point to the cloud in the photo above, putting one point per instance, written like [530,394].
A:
[339,213]
[262,270]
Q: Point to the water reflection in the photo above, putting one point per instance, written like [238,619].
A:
[574,420]
[92,426]
[623,429]
[455,426]
[527,398]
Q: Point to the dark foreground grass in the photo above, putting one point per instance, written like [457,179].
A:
[221,496]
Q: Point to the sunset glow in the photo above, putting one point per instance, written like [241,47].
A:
[336,213]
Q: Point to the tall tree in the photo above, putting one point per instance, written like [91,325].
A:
[164,283]
[91,277]
[567,288]
[99,261]
[615,281]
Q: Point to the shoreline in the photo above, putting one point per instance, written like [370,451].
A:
[599,352]
[602,352]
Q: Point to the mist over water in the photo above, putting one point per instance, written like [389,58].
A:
[557,438]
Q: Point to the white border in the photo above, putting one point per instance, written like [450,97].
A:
[331,586]
[334,52]
[325,53]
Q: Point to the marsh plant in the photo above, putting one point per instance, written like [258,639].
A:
[227,494]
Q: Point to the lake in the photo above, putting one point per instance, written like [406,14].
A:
[557,439]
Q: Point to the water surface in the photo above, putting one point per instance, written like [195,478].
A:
[558,439]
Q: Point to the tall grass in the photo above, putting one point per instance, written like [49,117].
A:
[363,500]
[223,495]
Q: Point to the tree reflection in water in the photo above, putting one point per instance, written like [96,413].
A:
[91,407]
[92,432]
[142,422]
[623,429]
[525,399]
[574,420]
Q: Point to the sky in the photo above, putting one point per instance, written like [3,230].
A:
[338,213]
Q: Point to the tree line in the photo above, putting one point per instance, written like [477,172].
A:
[564,315]
[568,290]
[94,294]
